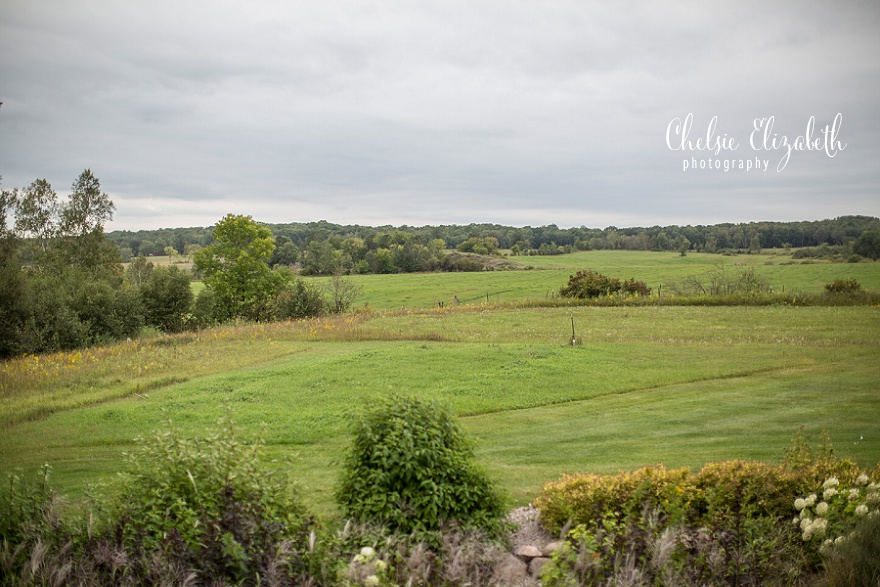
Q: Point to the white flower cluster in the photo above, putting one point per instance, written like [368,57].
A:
[815,520]
[873,495]
[370,563]
[813,527]
[801,504]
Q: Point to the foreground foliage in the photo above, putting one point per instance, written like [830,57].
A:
[732,523]
[190,511]
[411,468]
[206,512]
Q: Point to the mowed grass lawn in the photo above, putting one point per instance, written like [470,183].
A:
[673,385]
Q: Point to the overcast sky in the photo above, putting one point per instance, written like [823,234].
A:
[514,112]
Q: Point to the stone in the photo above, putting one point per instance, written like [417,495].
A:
[510,570]
[537,564]
[552,547]
[528,551]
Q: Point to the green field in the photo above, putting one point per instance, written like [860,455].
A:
[658,270]
[673,385]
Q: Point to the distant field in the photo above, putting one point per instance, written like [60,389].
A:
[549,273]
[677,385]
[658,270]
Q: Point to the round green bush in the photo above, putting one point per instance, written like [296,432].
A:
[410,467]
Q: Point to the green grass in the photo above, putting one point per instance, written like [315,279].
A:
[550,273]
[677,385]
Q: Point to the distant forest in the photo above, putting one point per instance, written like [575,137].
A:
[322,247]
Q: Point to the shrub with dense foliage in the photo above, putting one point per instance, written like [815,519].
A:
[199,511]
[843,286]
[732,523]
[590,284]
[410,467]
[167,298]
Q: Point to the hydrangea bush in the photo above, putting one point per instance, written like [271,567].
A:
[828,517]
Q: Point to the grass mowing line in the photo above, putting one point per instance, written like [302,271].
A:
[685,425]
[43,410]
[621,392]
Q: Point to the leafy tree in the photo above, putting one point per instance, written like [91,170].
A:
[482,246]
[236,268]
[82,221]
[755,244]
[868,244]
[138,271]
[343,292]
[36,214]
[381,261]
[205,312]
[89,209]
[167,298]
[682,244]
[286,253]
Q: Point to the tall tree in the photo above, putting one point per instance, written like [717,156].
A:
[36,213]
[89,209]
[83,217]
[236,268]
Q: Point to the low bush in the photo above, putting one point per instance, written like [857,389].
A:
[299,299]
[410,467]
[642,552]
[27,516]
[843,286]
[590,284]
[732,523]
[591,499]
[212,499]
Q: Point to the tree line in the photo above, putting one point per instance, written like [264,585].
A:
[63,286]
[324,248]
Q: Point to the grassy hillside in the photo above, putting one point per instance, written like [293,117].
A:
[677,385]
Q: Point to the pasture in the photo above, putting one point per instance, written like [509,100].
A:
[549,273]
[645,385]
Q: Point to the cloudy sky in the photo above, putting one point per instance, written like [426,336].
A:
[387,112]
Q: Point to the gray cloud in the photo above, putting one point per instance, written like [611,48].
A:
[393,112]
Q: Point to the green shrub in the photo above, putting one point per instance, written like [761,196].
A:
[24,506]
[299,299]
[410,467]
[167,298]
[843,286]
[589,499]
[635,288]
[733,491]
[589,284]
[210,500]
[206,311]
